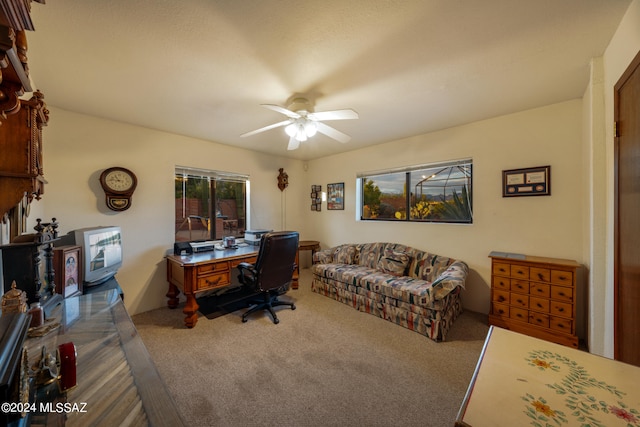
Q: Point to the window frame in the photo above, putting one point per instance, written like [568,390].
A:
[213,178]
[460,203]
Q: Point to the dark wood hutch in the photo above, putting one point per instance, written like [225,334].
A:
[22,117]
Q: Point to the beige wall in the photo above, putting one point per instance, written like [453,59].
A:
[575,222]
[544,226]
[78,148]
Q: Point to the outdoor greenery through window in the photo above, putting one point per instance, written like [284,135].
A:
[428,193]
[209,204]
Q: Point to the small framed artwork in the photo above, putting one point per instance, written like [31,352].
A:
[67,263]
[527,182]
[316,198]
[335,196]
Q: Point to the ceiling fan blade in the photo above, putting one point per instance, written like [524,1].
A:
[333,133]
[293,143]
[282,110]
[275,125]
[347,114]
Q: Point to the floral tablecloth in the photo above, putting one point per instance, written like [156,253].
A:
[525,381]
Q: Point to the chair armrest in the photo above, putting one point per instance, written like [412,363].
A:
[454,276]
[246,268]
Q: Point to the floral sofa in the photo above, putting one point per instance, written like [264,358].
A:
[413,288]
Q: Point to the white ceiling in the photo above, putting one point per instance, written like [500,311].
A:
[202,68]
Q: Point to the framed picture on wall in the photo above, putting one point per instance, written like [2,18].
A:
[68,272]
[527,182]
[335,196]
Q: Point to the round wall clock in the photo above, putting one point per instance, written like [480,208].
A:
[118,184]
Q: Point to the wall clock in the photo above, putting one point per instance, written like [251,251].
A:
[118,184]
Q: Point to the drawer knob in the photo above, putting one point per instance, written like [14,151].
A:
[539,305]
[540,276]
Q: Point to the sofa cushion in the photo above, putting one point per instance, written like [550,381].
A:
[393,262]
[428,266]
[344,254]
[345,273]
[407,289]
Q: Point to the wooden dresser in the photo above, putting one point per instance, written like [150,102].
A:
[535,296]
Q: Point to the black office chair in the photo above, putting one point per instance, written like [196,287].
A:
[273,271]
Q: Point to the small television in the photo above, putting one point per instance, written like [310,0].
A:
[101,252]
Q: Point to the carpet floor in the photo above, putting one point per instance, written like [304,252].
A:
[324,364]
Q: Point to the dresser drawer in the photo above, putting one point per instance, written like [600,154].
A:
[561,309]
[519,271]
[501,269]
[539,319]
[519,300]
[502,283]
[539,304]
[521,286]
[500,296]
[213,281]
[540,289]
[501,310]
[540,274]
[561,324]
[212,268]
[518,314]
[559,277]
[562,293]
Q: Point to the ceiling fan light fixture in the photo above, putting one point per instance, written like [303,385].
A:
[301,135]
[291,129]
[310,128]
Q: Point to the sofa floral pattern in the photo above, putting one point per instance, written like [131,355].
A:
[410,287]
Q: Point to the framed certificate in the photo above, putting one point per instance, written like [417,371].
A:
[527,182]
[67,263]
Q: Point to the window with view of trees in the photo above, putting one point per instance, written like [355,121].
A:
[209,204]
[426,193]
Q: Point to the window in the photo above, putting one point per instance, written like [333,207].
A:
[438,192]
[210,204]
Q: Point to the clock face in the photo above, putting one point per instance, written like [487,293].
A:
[119,180]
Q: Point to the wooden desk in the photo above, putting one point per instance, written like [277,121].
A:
[522,380]
[306,245]
[205,271]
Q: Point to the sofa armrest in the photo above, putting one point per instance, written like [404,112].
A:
[453,277]
[324,256]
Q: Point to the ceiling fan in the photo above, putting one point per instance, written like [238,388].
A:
[303,123]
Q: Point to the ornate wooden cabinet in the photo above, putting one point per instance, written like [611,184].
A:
[21,168]
[535,296]
[21,120]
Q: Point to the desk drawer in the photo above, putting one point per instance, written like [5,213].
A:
[212,281]
[251,260]
[213,267]
[501,283]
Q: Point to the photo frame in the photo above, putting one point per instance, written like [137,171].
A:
[526,182]
[67,264]
[316,198]
[335,196]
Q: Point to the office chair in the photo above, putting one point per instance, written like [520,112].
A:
[272,272]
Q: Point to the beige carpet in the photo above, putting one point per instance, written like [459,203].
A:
[324,364]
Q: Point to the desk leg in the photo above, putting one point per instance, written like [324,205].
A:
[191,310]
[172,294]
